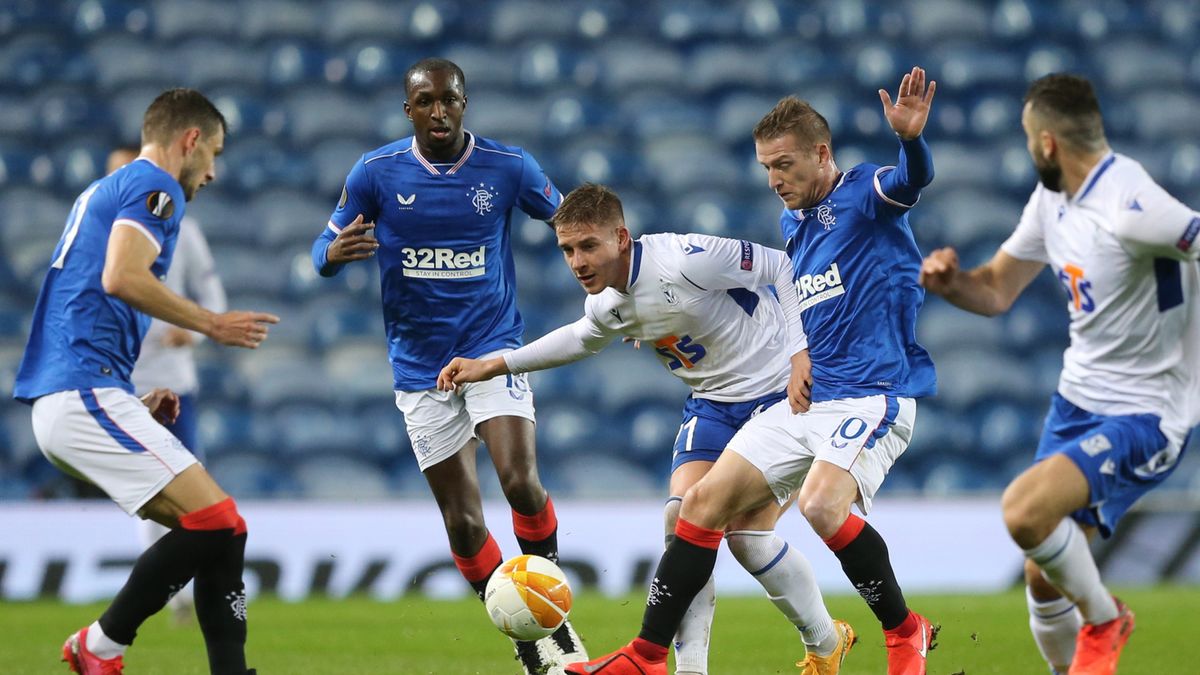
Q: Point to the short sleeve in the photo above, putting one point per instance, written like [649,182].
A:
[153,204]
[1151,222]
[537,195]
[1028,242]
[357,197]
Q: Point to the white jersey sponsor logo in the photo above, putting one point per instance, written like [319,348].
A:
[443,263]
[817,288]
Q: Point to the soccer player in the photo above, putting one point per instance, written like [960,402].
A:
[705,305]
[1125,252]
[91,316]
[440,205]
[855,264]
[167,359]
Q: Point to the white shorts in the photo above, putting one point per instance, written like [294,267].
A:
[441,422]
[108,437]
[864,436]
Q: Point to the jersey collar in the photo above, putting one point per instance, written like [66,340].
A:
[801,214]
[457,165]
[635,266]
[1094,176]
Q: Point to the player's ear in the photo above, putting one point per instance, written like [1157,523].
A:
[1048,143]
[190,139]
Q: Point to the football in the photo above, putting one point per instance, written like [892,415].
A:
[528,597]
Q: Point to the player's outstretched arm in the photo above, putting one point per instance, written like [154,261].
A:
[127,276]
[908,115]
[462,371]
[989,289]
[799,388]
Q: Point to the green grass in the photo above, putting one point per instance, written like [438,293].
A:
[980,634]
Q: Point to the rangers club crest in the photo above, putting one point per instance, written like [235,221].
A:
[481,198]
[825,216]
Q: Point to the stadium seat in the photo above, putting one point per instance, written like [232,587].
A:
[598,476]
[630,64]
[206,63]
[248,475]
[294,62]
[510,21]
[342,478]
[100,17]
[121,61]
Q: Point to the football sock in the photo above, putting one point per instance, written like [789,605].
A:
[683,570]
[1067,563]
[692,638]
[864,558]
[788,579]
[1055,625]
[209,545]
[695,630]
[219,592]
[150,532]
[101,645]
[538,534]
[478,568]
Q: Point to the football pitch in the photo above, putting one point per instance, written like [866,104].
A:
[412,636]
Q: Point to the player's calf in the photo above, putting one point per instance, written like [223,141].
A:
[220,594]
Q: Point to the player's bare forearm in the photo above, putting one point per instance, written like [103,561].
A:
[140,289]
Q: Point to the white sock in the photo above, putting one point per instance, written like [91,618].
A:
[150,532]
[788,579]
[101,645]
[1055,625]
[692,638]
[1067,563]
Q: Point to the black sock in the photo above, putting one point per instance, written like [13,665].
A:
[480,587]
[864,559]
[160,572]
[682,571]
[221,606]
[538,534]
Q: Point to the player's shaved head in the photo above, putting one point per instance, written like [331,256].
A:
[1066,105]
[177,110]
[589,204]
[431,65]
[794,116]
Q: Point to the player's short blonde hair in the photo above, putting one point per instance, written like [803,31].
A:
[793,116]
[589,204]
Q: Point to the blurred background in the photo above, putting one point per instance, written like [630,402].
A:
[655,98]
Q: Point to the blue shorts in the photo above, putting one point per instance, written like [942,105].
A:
[708,426]
[1122,456]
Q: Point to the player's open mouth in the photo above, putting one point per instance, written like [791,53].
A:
[585,280]
[439,133]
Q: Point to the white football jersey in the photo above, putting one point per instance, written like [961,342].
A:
[191,275]
[1125,251]
[704,304]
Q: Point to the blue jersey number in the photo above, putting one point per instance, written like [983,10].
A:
[680,352]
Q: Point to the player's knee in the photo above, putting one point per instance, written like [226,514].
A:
[825,515]
[523,490]
[707,505]
[466,530]
[1025,522]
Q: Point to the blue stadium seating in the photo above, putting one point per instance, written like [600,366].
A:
[657,99]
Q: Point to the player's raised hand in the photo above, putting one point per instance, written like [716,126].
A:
[241,329]
[354,242]
[908,114]
[163,405]
[938,270]
[799,389]
[462,371]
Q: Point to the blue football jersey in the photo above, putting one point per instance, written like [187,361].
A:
[445,257]
[855,264]
[81,336]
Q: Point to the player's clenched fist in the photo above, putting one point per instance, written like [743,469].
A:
[355,242]
[938,270]
[464,371]
[241,329]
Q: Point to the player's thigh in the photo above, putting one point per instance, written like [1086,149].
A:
[108,437]
[191,490]
[508,400]
[732,486]
[762,518]
[437,423]
[686,476]
[861,437]
[776,443]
